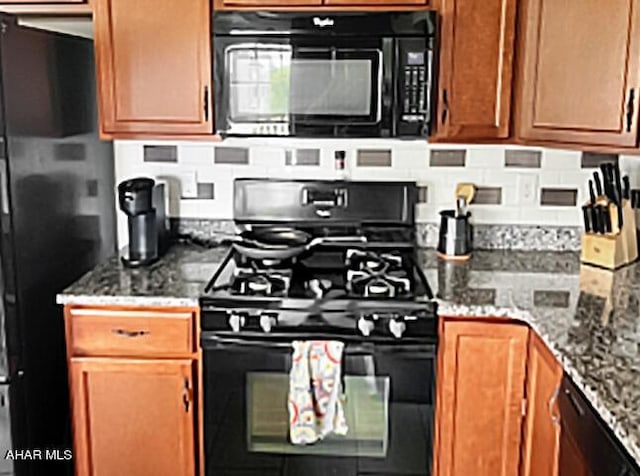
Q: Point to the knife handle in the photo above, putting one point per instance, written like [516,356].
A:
[586,215]
[626,188]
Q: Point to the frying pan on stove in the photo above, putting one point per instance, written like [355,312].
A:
[280,243]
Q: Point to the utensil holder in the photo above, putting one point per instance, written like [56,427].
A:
[615,249]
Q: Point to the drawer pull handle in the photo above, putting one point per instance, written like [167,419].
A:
[125,333]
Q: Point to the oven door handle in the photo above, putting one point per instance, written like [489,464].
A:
[419,350]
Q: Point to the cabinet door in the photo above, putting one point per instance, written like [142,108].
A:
[542,425]
[476,68]
[580,71]
[154,66]
[132,417]
[381,3]
[480,397]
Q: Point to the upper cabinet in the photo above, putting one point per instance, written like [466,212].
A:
[580,73]
[476,69]
[46,7]
[154,66]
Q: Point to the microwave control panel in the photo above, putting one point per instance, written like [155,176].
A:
[414,68]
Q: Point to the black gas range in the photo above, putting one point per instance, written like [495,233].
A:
[362,286]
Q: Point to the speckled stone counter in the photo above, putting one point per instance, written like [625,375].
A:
[176,280]
[591,324]
[589,318]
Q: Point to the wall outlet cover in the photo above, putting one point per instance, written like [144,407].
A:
[527,189]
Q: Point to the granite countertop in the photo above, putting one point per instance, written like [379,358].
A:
[176,280]
[590,319]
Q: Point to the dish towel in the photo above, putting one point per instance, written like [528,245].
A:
[315,391]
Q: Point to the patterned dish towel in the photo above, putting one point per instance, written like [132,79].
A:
[315,391]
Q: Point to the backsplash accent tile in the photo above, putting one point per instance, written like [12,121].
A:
[488,196]
[551,298]
[592,160]
[373,158]
[523,158]
[231,155]
[307,157]
[558,197]
[206,191]
[423,194]
[448,158]
[160,153]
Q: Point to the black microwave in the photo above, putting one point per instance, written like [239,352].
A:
[347,74]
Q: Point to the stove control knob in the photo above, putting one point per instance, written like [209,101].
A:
[236,322]
[365,326]
[267,321]
[397,328]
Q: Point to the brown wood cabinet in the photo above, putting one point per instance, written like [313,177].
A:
[476,69]
[154,66]
[580,72]
[480,398]
[542,425]
[133,379]
[133,417]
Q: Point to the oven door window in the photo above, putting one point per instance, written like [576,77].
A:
[279,83]
[366,406]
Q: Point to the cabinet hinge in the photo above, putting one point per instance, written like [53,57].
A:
[524,407]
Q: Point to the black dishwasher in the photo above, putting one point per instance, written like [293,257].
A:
[587,445]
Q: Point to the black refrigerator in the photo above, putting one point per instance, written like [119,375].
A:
[57,221]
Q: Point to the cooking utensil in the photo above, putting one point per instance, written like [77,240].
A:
[466,190]
[254,249]
[606,222]
[277,236]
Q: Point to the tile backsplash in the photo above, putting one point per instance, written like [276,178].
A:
[519,185]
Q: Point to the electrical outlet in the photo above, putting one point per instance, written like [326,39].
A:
[527,189]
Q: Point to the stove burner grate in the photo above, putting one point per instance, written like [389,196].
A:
[376,275]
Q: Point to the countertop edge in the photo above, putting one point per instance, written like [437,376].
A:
[446,308]
[142,301]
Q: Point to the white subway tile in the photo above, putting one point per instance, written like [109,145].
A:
[557,159]
[489,157]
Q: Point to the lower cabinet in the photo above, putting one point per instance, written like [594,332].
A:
[133,417]
[480,398]
[542,423]
[132,375]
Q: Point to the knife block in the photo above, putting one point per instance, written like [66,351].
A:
[612,250]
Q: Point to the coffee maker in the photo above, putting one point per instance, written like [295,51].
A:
[143,201]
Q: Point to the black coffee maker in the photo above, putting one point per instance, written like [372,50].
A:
[143,201]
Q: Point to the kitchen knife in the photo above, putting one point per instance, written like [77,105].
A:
[626,188]
[606,219]
[586,215]
[592,194]
[596,179]
[607,180]
[617,180]
[596,219]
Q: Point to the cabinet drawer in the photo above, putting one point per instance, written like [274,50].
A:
[129,333]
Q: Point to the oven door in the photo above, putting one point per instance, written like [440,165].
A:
[388,406]
[303,87]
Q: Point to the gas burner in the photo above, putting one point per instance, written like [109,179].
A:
[254,282]
[373,275]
